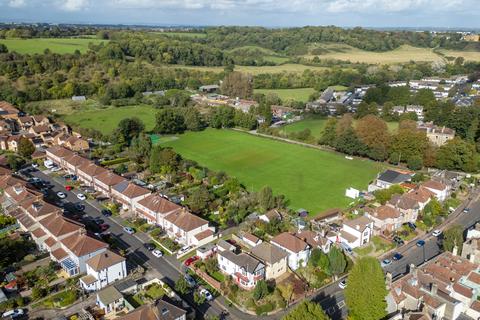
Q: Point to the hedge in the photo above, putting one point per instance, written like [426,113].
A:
[114,161]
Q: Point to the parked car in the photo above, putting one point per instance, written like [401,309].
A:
[61,195]
[68,188]
[106,212]
[342,284]
[386,262]
[184,249]
[79,206]
[397,256]
[412,225]
[190,281]
[191,260]
[149,246]
[98,220]
[81,196]
[206,294]
[129,230]
[437,233]
[420,243]
[55,169]
[67,176]
[35,165]
[157,253]
[13,313]
[466,210]
[48,164]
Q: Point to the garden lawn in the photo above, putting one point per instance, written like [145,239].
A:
[106,120]
[56,45]
[312,179]
[300,94]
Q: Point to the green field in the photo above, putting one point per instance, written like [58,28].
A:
[300,94]
[106,120]
[64,45]
[316,126]
[311,179]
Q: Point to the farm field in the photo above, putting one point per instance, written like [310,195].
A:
[289,67]
[56,45]
[257,162]
[316,126]
[400,55]
[106,120]
[300,94]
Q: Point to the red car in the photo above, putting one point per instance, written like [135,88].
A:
[104,226]
[68,188]
[190,260]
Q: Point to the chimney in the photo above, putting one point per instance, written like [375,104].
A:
[455,251]
[433,288]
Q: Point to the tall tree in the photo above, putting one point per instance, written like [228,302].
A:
[373,132]
[266,198]
[168,121]
[163,160]
[453,237]
[307,310]
[237,85]
[365,293]
[130,128]
[140,148]
[25,147]
[329,134]
[457,154]
[408,143]
[337,260]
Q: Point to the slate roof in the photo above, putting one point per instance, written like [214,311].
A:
[394,177]
[244,260]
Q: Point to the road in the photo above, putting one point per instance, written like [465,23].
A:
[412,254]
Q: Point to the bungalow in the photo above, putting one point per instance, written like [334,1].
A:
[354,233]
[184,227]
[154,208]
[105,181]
[274,259]
[297,249]
[440,190]
[389,178]
[160,310]
[386,218]
[102,270]
[245,270]
[128,194]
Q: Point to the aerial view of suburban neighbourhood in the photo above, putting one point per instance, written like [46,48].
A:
[230,159]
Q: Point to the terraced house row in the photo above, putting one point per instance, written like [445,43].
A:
[65,240]
[177,222]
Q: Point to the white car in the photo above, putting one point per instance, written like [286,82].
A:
[48,164]
[184,249]
[81,196]
[55,169]
[157,253]
[206,294]
[437,233]
[129,230]
[13,313]
[343,284]
[35,165]
[61,195]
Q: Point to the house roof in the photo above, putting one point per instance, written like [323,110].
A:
[76,160]
[185,221]
[313,238]
[50,242]
[404,202]
[109,178]
[243,260]
[104,260]
[225,245]
[250,237]
[336,212]
[359,223]
[420,194]
[145,312]
[59,226]
[38,233]
[59,254]
[60,152]
[394,177]
[109,295]
[130,190]
[464,291]
[290,242]
[269,253]
[156,203]
[40,128]
[168,311]
[91,169]
[435,185]
[81,244]
[39,208]
[386,212]
[204,234]
[88,279]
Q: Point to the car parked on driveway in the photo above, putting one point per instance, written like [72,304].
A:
[149,246]
[190,281]
[343,284]
[106,212]
[386,262]
[190,260]
[208,296]
[68,188]
[13,313]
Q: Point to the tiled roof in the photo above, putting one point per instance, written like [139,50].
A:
[359,223]
[204,234]
[386,212]
[431,184]
[59,226]
[39,208]
[38,233]
[288,241]
[109,178]
[250,237]
[185,221]
[91,169]
[104,260]
[76,160]
[249,263]
[474,277]
[50,242]
[88,279]
[156,203]
[81,244]
[464,291]
[269,253]
[59,254]
[130,190]
[420,194]
[60,152]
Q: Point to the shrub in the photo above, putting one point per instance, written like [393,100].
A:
[29,258]
[265,308]
[114,161]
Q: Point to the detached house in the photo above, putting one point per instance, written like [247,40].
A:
[389,178]
[274,259]
[298,250]
[440,190]
[128,194]
[161,310]
[354,233]
[102,270]
[244,269]
[386,218]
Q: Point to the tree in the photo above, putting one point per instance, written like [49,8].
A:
[168,121]
[261,290]
[198,298]
[14,162]
[452,238]
[130,128]
[365,109]
[236,84]
[349,143]
[337,261]
[25,147]
[286,290]
[193,119]
[329,134]
[140,148]
[266,199]
[373,132]
[198,199]
[181,286]
[408,143]
[163,160]
[457,154]
[307,310]
[365,293]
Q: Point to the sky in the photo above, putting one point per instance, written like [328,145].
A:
[269,13]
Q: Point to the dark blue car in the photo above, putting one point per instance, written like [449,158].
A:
[420,243]
[397,256]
